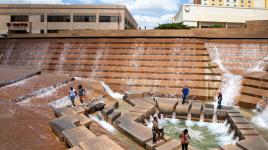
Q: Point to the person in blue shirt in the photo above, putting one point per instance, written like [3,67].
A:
[185,94]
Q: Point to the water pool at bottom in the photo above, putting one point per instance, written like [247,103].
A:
[204,135]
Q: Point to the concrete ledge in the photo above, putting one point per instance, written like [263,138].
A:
[102,142]
[170,145]
[151,146]
[253,143]
[76,135]
[230,147]
[58,125]
[67,110]
[196,109]
[113,116]
[136,131]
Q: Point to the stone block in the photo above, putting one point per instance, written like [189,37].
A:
[66,110]
[253,143]
[244,126]
[196,109]
[248,132]
[58,125]
[100,143]
[83,120]
[230,147]
[238,120]
[113,116]
[170,145]
[76,135]
[133,130]
[234,114]
[106,111]
[166,105]
[151,146]
[221,114]
[208,113]
[134,94]
[182,109]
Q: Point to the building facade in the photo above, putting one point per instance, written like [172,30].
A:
[234,3]
[207,16]
[35,18]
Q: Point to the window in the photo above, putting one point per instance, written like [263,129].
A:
[213,4]
[242,1]
[249,5]
[110,19]
[220,4]
[234,1]
[56,18]
[220,0]
[42,18]
[42,31]
[242,5]
[227,1]
[19,18]
[84,18]
[249,1]
[205,3]
[227,5]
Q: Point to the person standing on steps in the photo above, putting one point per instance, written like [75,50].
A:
[160,127]
[185,139]
[81,93]
[219,99]
[72,95]
[155,130]
[185,94]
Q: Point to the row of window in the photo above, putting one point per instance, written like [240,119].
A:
[242,1]
[67,18]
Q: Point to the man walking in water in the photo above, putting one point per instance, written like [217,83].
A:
[219,100]
[185,94]
[72,95]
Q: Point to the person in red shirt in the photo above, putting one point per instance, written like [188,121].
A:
[185,139]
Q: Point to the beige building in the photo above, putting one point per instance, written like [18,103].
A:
[35,18]
[207,16]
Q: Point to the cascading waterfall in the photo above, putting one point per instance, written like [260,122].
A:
[231,83]
[61,60]
[117,96]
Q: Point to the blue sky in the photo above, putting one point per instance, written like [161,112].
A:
[147,13]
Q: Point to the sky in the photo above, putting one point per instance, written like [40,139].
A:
[147,13]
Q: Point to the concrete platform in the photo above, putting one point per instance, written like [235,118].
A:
[134,130]
[100,143]
[74,136]
[170,145]
[244,126]
[239,120]
[253,143]
[196,109]
[113,116]
[151,146]
[230,147]
[63,123]
[12,74]
[69,110]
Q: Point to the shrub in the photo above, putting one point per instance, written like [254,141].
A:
[173,26]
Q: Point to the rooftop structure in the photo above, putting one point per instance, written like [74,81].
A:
[234,3]
[24,18]
[229,17]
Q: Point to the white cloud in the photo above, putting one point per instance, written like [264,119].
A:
[150,12]
[31,1]
[151,22]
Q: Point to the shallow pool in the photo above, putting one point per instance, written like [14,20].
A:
[204,135]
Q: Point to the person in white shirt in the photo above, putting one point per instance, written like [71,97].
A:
[72,95]
[161,127]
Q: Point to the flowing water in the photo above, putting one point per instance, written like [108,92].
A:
[204,135]
[231,83]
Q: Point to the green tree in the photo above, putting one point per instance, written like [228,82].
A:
[173,26]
